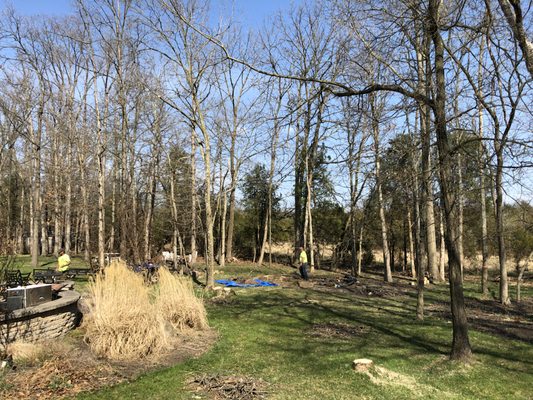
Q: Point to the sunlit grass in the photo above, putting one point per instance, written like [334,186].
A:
[269,335]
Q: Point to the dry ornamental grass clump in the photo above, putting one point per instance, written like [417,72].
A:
[178,304]
[128,320]
[122,323]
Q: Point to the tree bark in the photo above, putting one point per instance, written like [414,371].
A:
[442,265]
[36,135]
[514,16]
[425,79]
[483,206]
[461,349]
[384,230]
[193,197]
[504,283]
[360,252]
[411,243]
[460,203]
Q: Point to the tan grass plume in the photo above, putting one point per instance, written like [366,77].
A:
[178,304]
[123,322]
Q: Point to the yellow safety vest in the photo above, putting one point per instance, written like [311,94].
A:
[63,263]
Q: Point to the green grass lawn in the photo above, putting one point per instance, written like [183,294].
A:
[271,334]
[23,262]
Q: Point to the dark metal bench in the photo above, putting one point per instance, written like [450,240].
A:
[16,278]
[74,272]
[46,275]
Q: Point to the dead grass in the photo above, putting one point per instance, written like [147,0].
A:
[129,320]
[26,353]
[178,304]
[122,323]
[67,367]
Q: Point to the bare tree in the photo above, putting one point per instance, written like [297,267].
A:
[512,9]
[191,57]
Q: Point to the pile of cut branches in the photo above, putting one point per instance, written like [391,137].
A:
[230,387]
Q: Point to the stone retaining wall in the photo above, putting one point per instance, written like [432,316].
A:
[45,321]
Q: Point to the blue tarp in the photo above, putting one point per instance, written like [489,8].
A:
[258,283]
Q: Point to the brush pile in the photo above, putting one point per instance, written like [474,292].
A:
[230,387]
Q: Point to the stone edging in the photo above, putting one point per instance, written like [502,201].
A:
[44,321]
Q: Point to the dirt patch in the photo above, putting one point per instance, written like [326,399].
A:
[338,330]
[363,287]
[219,387]
[74,369]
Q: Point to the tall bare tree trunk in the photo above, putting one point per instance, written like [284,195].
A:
[461,349]
[36,136]
[425,79]
[309,217]
[58,230]
[206,156]
[411,243]
[419,246]
[222,206]
[193,197]
[482,188]
[101,160]
[43,223]
[134,240]
[431,237]
[233,187]
[150,202]
[384,230]
[460,202]
[222,260]
[68,195]
[176,236]
[113,216]
[84,211]
[360,252]
[484,237]
[442,265]
[504,281]
[20,225]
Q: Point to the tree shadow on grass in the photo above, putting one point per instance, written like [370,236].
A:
[390,320]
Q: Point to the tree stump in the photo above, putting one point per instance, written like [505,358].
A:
[362,364]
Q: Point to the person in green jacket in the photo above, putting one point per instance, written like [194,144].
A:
[303,264]
[63,261]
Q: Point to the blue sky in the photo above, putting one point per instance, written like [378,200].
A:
[30,7]
[250,12]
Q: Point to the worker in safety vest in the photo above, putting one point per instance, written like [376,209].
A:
[63,261]
[303,264]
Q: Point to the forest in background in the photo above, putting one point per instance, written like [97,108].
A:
[403,126]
